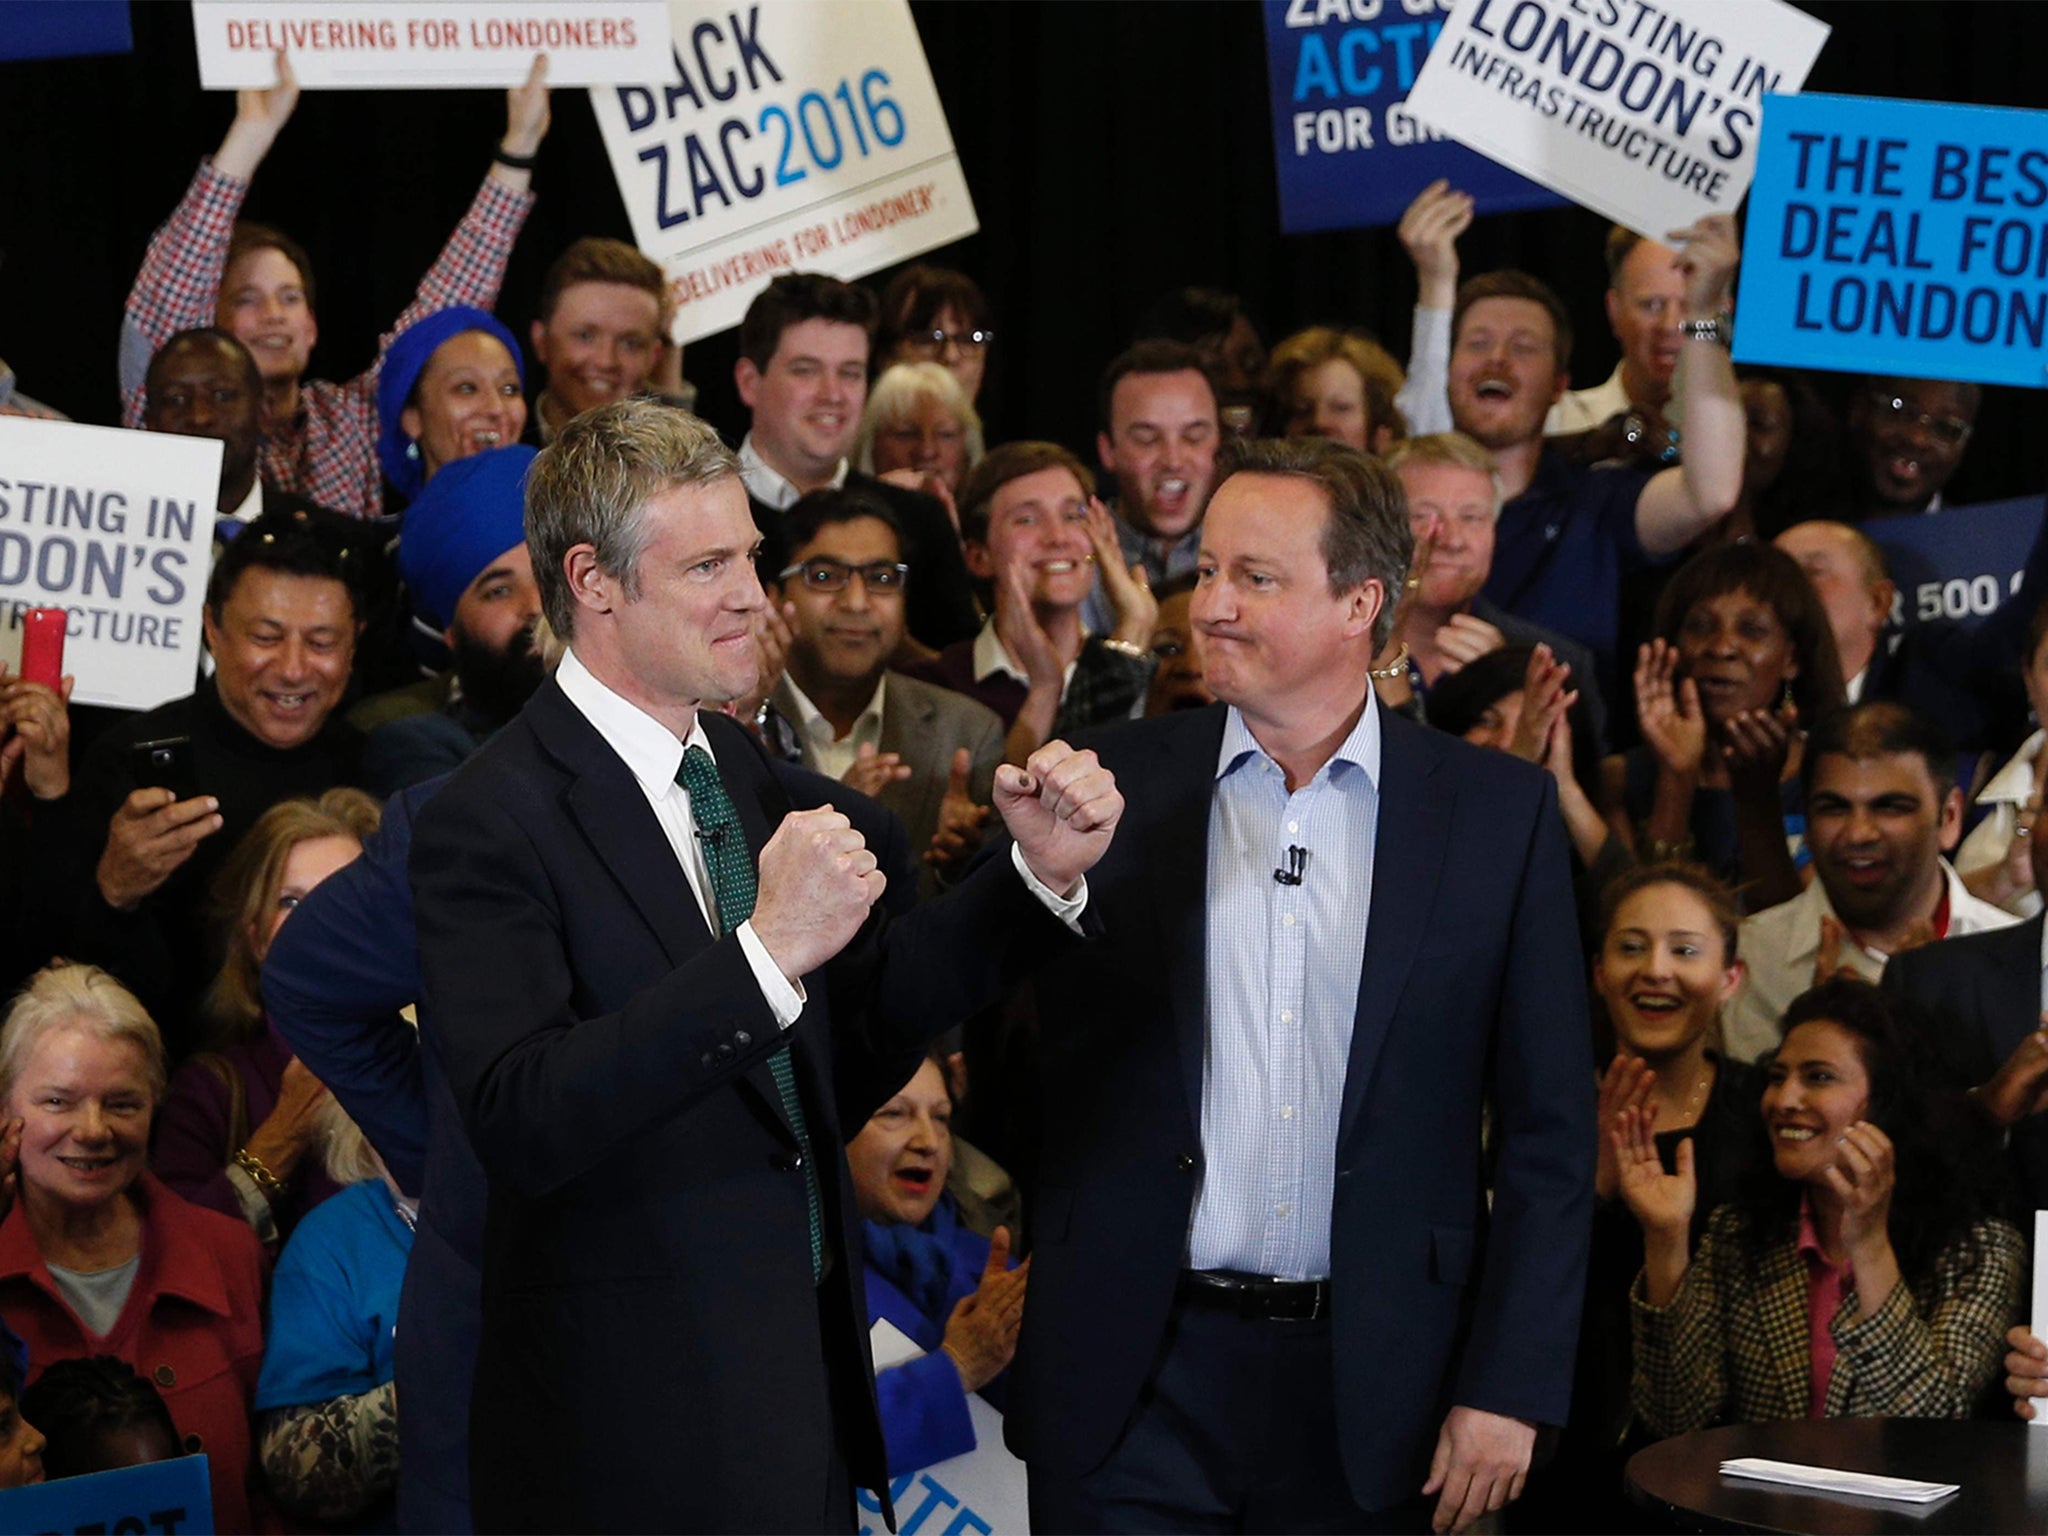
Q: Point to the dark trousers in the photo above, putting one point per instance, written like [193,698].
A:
[1236,1431]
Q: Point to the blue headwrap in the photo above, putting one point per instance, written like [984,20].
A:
[468,515]
[404,361]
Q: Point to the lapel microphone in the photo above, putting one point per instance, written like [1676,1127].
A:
[1294,869]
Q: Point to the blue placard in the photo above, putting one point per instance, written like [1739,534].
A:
[1959,563]
[58,29]
[1898,237]
[162,1498]
[1348,155]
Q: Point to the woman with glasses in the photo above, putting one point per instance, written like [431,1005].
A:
[936,315]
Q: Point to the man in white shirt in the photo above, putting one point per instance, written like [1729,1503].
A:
[803,373]
[1645,302]
[1881,806]
[659,996]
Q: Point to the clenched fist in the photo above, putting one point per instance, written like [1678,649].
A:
[817,881]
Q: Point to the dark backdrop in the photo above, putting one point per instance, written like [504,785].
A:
[1113,150]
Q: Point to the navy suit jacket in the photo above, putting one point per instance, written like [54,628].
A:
[1978,996]
[1471,993]
[334,981]
[654,1353]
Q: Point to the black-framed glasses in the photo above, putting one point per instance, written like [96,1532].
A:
[823,575]
[1949,431]
[935,341]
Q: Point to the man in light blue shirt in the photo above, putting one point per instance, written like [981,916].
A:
[1268,1290]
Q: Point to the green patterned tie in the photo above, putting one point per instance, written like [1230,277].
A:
[733,890]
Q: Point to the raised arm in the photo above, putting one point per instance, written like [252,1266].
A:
[178,286]
[1681,504]
[1429,232]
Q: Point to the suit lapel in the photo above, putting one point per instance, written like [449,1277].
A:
[1413,828]
[607,804]
[2011,987]
[1176,860]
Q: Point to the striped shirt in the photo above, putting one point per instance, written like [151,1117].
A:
[1281,994]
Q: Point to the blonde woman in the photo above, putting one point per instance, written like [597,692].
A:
[237,1127]
[920,431]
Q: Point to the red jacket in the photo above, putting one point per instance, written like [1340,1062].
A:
[193,1325]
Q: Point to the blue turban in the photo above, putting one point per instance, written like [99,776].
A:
[404,361]
[468,515]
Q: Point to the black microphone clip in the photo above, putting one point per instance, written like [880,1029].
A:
[1296,867]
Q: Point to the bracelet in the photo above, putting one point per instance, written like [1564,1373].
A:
[266,1181]
[1128,648]
[506,158]
[1398,667]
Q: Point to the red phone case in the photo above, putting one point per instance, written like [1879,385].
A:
[42,645]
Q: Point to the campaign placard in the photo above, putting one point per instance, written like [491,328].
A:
[64,29]
[168,1497]
[116,528]
[1348,154]
[428,44]
[1898,237]
[1959,563]
[794,135]
[1645,113]
[981,1492]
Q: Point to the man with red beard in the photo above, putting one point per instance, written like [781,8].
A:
[1909,436]
[1569,536]
[1160,431]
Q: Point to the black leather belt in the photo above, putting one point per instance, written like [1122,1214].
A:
[1249,1296]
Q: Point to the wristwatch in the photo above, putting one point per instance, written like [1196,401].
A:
[1713,329]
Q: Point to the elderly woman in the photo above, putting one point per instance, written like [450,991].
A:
[453,384]
[919,431]
[236,1133]
[1858,1274]
[1330,383]
[98,1257]
[1742,664]
[327,1399]
[950,1290]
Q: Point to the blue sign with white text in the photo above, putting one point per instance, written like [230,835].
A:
[161,1498]
[1898,237]
[1959,563]
[1347,152]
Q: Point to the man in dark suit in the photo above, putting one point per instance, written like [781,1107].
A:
[1267,1291]
[334,981]
[1984,1000]
[803,373]
[652,985]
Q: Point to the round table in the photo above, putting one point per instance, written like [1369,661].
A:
[2002,1467]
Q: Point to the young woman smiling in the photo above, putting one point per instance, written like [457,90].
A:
[1859,1275]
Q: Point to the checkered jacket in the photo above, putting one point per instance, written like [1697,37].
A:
[328,452]
[1732,1347]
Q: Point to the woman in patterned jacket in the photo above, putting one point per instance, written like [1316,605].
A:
[1859,1275]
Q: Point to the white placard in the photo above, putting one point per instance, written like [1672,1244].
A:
[1645,113]
[117,528]
[421,44]
[981,1491]
[2038,1318]
[795,135]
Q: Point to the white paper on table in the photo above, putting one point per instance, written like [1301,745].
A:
[2039,1316]
[1867,1485]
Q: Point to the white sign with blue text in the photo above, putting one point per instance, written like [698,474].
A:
[981,1492]
[116,528]
[1645,113]
[791,135]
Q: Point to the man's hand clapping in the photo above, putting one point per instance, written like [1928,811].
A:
[1062,808]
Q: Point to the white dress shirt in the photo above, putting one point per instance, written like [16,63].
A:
[1280,999]
[768,485]
[830,753]
[2003,799]
[992,656]
[652,754]
[1778,946]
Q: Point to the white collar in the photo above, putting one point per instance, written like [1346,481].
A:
[646,746]
[2014,783]
[992,656]
[765,483]
[1360,749]
[1966,914]
[818,728]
